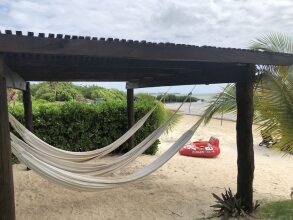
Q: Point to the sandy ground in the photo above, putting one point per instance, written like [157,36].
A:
[181,189]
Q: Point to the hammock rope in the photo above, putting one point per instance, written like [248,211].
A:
[100,168]
[33,140]
[46,166]
[89,183]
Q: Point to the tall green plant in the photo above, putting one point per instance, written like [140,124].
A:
[273,94]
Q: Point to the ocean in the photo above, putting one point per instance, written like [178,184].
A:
[197,108]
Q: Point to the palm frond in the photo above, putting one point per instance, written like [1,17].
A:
[275,108]
[273,94]
[223,102]
[273,42]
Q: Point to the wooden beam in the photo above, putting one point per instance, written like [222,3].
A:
[130,113]
[13,80]
[245,161]
[133,70]
[7,207]
[28,111]
[205,75]
[136,50]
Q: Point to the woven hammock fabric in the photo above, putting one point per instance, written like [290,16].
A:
[34,141]
[39,145]
[100,168]
[89,183]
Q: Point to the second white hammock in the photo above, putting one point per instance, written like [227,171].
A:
[35,142]
[90,183]
[100,168]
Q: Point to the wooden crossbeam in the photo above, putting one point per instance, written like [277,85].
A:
[135,50]
[208,75]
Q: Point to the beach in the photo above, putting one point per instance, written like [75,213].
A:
[181,189]
[197,108]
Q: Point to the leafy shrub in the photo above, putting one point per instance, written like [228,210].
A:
[175,98]
[55,91]
[97,92]
[81,127]
[145,97]
[65,91]
[228,205]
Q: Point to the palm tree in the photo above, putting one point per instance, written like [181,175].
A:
[273,94]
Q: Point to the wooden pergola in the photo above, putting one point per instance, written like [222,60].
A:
[141,64]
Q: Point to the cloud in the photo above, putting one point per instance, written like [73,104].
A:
[225,23]
[229,23]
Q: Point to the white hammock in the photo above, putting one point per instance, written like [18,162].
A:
[39,145]
[33,140]
[90,183]
[100,168]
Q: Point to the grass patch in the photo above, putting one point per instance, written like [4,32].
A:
[279,210]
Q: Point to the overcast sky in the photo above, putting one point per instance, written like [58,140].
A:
[225,23]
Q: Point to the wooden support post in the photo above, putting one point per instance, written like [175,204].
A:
[245,161]
[28,110]
[130,113]
[7,209]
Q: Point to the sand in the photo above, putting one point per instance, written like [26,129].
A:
[181,189]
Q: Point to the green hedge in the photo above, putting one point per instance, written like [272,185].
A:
[78,126]
[176,98]
[67,91]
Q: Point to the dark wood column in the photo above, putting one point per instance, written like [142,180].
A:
[130,113]
[7,210]
[245,161]
[28,111]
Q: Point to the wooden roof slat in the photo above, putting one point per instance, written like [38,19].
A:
[209,54]
[82,58]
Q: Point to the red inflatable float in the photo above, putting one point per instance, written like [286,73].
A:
[202,148]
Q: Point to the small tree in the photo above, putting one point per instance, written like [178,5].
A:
[273,94]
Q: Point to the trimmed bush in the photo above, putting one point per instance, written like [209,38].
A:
[66,91]
[97,92]
[176,98]
[55,91]
[78,126]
